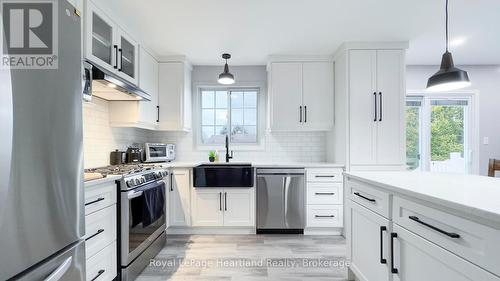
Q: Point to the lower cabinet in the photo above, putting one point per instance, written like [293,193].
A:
[369,234]
[100,231]
[223,207]
[386,241]
[417,259]
[179,198]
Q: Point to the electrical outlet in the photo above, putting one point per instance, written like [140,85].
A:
[486,140]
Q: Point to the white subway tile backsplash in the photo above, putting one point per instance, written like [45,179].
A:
[100,139]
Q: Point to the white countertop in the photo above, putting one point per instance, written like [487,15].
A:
[103,180]
[476,195]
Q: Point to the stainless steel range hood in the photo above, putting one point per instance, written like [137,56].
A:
[108,86]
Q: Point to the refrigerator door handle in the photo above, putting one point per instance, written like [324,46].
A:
[57,274]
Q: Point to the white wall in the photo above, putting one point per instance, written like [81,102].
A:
[278,147]
[99,139]
[486,79]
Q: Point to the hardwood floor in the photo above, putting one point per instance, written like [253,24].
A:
[249,257]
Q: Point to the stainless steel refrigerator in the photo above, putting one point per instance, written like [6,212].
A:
[41,164]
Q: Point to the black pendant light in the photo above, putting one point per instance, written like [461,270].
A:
[448,77]
[226,77]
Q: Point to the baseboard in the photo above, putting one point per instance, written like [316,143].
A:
[323,231]
[211,230]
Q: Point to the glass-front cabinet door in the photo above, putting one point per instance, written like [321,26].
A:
[100,34]
[128,57]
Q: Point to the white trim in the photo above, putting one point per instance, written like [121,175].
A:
[261,111]
[473,123]
[381,45]
[211,230]
[337,231]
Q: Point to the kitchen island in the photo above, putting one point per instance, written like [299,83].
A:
[422,226]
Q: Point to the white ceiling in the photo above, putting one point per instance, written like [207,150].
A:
[253,29]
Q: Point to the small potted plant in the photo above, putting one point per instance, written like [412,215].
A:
[211,156]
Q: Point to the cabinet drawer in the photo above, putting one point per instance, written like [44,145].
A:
[369,197]
[100,230]
[472,241]
[324,193]
[324,215]
[102,266]
[324,175]
[100,196]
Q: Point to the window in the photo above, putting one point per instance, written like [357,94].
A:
[231,112]
[439,133]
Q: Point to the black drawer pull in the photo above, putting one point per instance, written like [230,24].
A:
[324,193]
[99,273]
[319,216]
[449,234]
[324,176]
[95,201]
[95,234]
[366,198]
[393,269]
[382,260]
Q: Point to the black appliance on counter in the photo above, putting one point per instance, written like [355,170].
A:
[133,155]
[117,157]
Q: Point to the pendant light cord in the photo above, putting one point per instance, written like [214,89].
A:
[446,25]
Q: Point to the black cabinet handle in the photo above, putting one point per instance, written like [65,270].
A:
[121,59]
[324,176]
[225,201]
[171,182]
[99,273]
[220,201]
[366,198]
[157,113]
[95,234]
[449,234]
[300,114]
[319,216]
[382,260]
[305,113]
[375,99]
[393,269]
[380,117]
[116,56]
[324,193]
[95,201]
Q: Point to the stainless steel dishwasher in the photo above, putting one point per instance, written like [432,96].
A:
[280,201]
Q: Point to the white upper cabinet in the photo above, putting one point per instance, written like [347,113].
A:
[300,96]
[139,114]
[128,56]
[317,95]
[100,36]
[285,96]
[174,98]
[108,46]
[369,116]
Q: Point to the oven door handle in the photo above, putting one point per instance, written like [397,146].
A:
[133,195]
[136,193]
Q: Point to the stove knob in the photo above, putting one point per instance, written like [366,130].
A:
[130,183]
[137,181]
[143,180]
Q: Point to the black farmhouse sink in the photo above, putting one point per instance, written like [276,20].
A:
[223,175]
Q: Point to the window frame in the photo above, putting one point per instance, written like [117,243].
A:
[260,111]
[471,125]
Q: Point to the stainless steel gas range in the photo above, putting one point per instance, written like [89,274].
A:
[142,214]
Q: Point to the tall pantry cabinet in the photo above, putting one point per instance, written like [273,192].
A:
[369,111]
